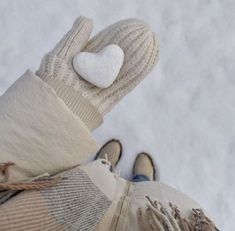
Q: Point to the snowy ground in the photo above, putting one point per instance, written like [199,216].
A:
[183,113]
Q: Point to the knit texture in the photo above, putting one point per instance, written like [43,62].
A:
[74,204]
[90,103]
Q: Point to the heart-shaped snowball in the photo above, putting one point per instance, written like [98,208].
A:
[102,68]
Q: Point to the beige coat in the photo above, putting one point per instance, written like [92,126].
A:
[38,131]
[87,197]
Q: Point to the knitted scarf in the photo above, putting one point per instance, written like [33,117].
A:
[154,217]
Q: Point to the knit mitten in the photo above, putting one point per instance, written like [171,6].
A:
[87,101]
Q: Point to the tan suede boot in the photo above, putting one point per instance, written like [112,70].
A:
[144,165]
[113,150]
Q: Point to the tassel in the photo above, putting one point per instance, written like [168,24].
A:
[156,217]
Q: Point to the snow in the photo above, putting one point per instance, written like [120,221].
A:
[183,113]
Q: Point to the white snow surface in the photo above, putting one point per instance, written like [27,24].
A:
[183,113]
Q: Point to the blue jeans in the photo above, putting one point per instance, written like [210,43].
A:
[139,178]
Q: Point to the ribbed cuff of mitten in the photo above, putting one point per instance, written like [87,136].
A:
[79,105]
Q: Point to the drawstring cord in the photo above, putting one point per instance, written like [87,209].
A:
[37,183]
[33,185]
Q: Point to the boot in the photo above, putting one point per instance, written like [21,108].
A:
[113,150]
[144,165]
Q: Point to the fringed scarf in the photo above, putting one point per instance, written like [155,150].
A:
[155,217]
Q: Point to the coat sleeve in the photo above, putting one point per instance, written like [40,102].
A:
[38,132]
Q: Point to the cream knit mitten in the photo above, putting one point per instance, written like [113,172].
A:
[87,101]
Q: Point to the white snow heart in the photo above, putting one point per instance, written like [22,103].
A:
[102,68]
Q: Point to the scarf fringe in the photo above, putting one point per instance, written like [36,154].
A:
[155,217]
